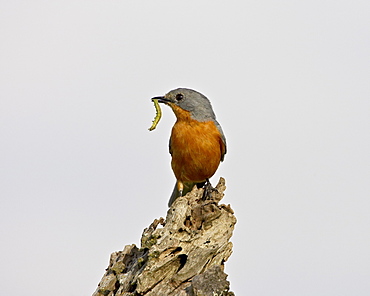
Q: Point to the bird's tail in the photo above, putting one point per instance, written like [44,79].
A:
[187,188]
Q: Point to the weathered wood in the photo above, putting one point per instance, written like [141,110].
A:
[183,255]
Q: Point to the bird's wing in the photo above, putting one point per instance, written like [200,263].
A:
[223,141]
[169,146]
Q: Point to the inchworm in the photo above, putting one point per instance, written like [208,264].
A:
[158,114]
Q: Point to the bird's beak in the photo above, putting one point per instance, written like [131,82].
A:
[161,100]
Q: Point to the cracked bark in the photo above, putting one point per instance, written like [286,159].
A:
[182,255]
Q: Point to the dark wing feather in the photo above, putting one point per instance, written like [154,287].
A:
[223,141]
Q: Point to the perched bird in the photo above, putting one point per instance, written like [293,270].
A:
[197,143]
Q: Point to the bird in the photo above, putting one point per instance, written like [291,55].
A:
[197,143]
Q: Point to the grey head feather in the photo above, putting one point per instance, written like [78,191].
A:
[197,104]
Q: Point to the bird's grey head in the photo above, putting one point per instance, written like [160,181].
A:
[190,100]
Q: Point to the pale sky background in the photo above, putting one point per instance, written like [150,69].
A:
[81,176]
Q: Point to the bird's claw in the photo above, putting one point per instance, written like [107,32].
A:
[208,190]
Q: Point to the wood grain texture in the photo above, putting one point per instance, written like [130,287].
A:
[183,254]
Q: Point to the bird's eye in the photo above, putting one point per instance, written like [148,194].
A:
[179,97]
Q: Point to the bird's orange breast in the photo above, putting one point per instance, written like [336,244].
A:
[196,149]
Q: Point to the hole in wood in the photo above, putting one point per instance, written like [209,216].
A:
[183,258]
[177,250]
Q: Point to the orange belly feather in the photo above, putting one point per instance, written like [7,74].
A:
[196,149]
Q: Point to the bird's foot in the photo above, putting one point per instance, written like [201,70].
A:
[208,190]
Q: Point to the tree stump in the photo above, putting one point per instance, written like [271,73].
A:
[183,255]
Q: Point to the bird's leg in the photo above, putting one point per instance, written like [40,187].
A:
[208,189]
[180,187]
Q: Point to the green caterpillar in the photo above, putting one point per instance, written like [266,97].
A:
[158,114]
